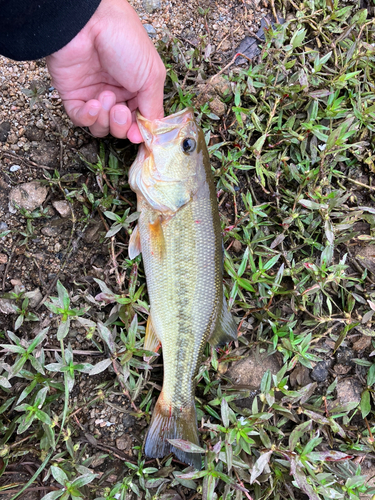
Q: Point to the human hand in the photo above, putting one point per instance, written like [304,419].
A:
[108,71]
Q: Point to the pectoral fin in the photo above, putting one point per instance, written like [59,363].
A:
[152,342]
[157,238]
[134,244]
[226,328]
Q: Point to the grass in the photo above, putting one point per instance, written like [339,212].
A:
[293,161]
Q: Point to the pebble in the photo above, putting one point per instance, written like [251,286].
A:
[217,107]
[35,297]
[349,391]
[250,371]
[320,371]
[3,258]
[151,5]
[344,356]
[124,442]
[150,30]
[91,234]
[14,168]
[362,343]
[50,230]
[3,226]
[62,207]
[4,131]
[237,246]
[28,196]
[6,306]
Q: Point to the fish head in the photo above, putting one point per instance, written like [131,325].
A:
[169,167]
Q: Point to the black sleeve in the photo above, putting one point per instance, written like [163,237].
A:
[30,29]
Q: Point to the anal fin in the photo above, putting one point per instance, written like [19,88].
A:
[226,328]
[152,342]
[134,248]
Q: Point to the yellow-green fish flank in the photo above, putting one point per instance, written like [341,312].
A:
[179,236]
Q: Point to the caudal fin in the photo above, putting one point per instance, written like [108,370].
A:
[172,423]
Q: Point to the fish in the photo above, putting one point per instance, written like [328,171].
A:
[179,235]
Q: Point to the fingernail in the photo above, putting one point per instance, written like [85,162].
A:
[107,102]
[120,116]
[93,111]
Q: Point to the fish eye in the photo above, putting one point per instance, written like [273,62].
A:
[188,145]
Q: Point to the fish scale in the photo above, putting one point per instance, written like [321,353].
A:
[179,236]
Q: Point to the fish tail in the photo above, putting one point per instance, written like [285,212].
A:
[173,423]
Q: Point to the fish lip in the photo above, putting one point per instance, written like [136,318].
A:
[150,128]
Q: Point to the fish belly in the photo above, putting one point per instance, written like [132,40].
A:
[186,291]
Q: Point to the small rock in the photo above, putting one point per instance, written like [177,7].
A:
[300,377]
[320,371]
[12,139]
[50,230]
[237,246]
[90,152]
[46,153]
[6,306]
[344,356]
[362,343]
[3,226]
[17,282]
[35,297]
[128,421]
[62,207]
[349,390]
[226,45]
[40,124]
[4,131]
[222,86]
[124,442]
[57,247]
[217,107]
[97,460]
[151,5]
[3,258]
[249,371]
[91,233]
[342,369]
[34,134]
[28,196]
[14,168]
[151,31]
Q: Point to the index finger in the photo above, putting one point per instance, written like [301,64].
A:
[150,96]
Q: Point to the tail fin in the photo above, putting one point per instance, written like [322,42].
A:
[173,423]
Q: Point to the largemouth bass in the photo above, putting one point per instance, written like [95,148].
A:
[179,235]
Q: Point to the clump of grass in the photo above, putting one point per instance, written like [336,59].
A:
[293,165]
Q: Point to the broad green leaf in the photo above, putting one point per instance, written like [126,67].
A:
[298,38]
[59,475]
[365,403]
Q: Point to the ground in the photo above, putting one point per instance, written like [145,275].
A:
[287,410]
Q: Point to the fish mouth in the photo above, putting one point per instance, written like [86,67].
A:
[165,129]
